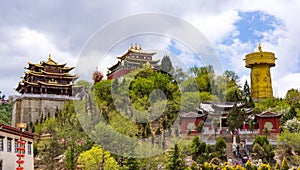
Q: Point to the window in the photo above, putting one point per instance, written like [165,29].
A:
[16,145]
[1,143]
[9,144]
[29,144]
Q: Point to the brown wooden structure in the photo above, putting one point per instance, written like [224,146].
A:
[48,77]
[134,58]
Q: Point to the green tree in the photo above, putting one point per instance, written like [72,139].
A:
[70,131]
[266,131]
[235,118]
[204,77]
[5,113]
[175,161]
[292,96]
[97,158]
[246,89]
[64,135]
[179,75]
[197,147]
[166,64]
[220,145]
[231,76]
[263,149]
[289,115]
[233,94]
[288,144]
[200,127]
[49,148]
[132,163]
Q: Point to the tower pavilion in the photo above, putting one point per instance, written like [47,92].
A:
[44,89]
[260,63]
[134,58]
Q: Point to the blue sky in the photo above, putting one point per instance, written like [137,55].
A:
[31,30]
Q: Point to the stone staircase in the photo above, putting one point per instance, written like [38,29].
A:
[229,151]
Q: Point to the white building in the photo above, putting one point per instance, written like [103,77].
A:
[8,148]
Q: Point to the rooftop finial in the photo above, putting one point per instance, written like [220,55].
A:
[135,47]
[259,48]
[49,57]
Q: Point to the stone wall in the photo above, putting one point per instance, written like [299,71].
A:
[31,108]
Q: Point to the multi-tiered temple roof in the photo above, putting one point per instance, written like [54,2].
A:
[48,77]
[134,58]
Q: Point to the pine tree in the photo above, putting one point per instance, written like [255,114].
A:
[246,89]
[132,163]
[235,118]
[220,145]
[166,64]
[175,161]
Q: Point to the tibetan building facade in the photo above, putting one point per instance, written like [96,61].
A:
[47,78]
[134,58]
[44,88]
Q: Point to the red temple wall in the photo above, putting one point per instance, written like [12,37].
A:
[118,73]
[273,120]
[185,121]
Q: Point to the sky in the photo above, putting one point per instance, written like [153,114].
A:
[31,30]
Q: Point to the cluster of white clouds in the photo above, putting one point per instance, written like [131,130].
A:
[30,31]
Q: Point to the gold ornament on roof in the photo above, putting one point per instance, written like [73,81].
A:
[259,48]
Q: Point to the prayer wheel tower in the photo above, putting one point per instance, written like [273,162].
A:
[260,63]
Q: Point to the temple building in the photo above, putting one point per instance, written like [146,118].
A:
[216,114]
[44,88]
[214,117]
[47,78]
[190,121]
[269,120]
[260,63]
[134,58]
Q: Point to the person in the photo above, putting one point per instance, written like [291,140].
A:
[238,149]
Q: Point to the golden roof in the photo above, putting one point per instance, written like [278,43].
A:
[52,83]
[50,61]
[260,57]
[44,73]
[37,65]
[135,49]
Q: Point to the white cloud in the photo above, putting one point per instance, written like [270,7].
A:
[283,84]
[28,32]
[23,45]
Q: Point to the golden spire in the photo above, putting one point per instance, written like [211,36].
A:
[135,47]
[259,48]
[49,57]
